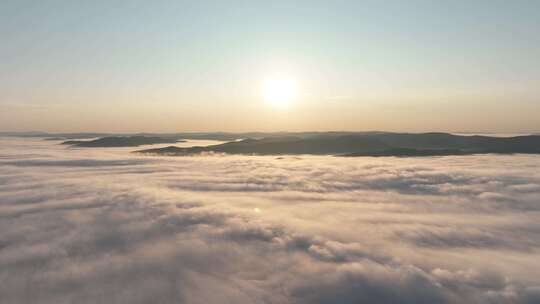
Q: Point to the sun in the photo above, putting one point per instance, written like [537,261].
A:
[279,91]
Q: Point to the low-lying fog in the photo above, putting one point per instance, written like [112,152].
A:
[102,225]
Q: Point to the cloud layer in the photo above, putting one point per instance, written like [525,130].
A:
[106,226]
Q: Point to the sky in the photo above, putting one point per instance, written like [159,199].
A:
[169,66]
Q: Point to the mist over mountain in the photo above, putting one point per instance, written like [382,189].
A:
[102,225]
[270,152]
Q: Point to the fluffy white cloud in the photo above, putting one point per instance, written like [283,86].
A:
[107,226]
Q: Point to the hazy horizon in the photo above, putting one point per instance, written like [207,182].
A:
[269,132]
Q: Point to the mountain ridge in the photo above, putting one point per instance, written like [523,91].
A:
[121,141]
[369,144]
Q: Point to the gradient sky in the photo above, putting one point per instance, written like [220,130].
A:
[128,66]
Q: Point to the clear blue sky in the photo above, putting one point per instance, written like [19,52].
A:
[199,65]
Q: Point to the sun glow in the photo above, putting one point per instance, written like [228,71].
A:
[279,91]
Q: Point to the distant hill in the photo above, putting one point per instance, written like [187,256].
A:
[38,134]
[221,136]
[368,144]
[121,141]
